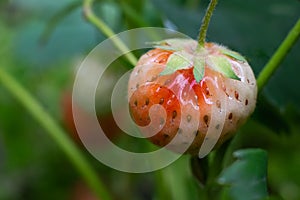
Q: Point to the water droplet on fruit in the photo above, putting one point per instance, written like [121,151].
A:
[161,101]
[158,89]
[207,93]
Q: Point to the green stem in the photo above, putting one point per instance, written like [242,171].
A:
[48,123]
[278,56]
[205,23]
[106,30]
[213,189]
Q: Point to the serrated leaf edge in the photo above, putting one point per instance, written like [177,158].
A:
[171,69]
[233,54]
[229,74]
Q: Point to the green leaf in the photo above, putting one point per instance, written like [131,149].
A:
[246,177]
[177,61]
[222,65]
[233,54]
[198,71]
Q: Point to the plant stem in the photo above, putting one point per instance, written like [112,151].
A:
[278,56]
[106,30]
[205,23]
[60,137]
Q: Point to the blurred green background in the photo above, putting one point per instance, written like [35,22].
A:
[43,42]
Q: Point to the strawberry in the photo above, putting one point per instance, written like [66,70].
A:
[106,120]
[200,95]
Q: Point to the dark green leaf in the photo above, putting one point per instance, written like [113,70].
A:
[177,61]
[222,65]
[198,71]
[270,115]
[246,177]
[233,54]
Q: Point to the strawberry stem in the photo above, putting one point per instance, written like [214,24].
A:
[278,56]
[56,132]
[205,23]
[106,30]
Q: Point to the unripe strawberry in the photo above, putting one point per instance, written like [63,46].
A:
[206,93]
[106,121]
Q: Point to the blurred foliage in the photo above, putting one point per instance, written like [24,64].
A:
[43,42]
[246,178]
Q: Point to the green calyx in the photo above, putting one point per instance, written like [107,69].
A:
[176,61]
[222,65]
[199,69]
[232,54]
[186,55]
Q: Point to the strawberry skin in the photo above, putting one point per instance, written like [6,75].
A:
[211,109]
